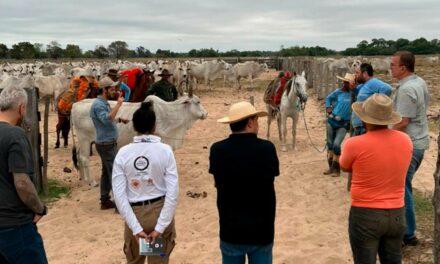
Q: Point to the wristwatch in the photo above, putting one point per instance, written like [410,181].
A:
[43,213]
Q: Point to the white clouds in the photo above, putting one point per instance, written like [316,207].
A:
[224,25]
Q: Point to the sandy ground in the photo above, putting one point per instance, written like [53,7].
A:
[312,209]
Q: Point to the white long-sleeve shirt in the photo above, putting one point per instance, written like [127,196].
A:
[144,170]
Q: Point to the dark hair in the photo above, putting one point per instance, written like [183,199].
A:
[406,59]
[144,118]
[240,125]
[366,67]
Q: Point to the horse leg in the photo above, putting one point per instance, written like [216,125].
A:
[65,131]
[61,120]
[269,120]
[294,123]
[283,131]
[278,117]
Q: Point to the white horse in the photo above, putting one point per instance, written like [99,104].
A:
[292,102]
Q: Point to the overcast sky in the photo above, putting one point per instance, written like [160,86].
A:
[220,24]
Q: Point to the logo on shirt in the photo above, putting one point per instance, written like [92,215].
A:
[141,163]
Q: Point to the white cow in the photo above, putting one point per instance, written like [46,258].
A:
[249,69]
[207,71]
[173,119]
[381,65]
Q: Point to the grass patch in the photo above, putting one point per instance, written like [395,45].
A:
[57,190]
[433,126]
[422,253]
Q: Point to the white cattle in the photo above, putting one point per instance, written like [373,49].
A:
[173,119]
[381,65]
[249,69]
[207,71]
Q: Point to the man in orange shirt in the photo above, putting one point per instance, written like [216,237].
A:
[379,161]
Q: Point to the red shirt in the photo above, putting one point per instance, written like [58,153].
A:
[131,73]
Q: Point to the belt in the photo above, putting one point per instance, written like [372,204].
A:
[146,202]
[106,143]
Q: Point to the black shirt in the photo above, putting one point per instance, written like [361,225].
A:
[15,157]
[244,169]
[164,90]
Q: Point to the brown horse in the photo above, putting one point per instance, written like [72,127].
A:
[143,83]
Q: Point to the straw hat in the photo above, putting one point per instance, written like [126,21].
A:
[377,110]
[349,77]
[240,111]
[107,82]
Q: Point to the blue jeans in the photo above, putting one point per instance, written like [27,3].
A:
[357,131]
[236,254]
[410,213]
[335,136]
[21,244]
[107,152]
[375,232]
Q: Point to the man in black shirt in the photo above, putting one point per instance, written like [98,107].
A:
[20,207]
[244,169]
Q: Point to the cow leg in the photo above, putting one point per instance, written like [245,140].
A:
[250,80]
[83,159]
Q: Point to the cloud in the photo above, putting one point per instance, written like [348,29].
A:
[223,25]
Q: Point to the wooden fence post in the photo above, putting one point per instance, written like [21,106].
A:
[46,149]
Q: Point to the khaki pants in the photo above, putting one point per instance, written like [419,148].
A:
[147,216]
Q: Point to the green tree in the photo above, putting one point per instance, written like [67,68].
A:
[39,51]
[101,52]
[22,50]
[54,50]
[142,52]
[89,54]
[118,49]
[72,51]
[3,51]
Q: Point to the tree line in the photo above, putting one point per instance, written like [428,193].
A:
[120,49]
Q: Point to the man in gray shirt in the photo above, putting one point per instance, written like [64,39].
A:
[20,206]
[411,102]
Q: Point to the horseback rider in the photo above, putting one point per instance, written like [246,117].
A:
[82,86]
[164,89]
[122,86]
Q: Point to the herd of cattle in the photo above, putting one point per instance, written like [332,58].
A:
[53,78]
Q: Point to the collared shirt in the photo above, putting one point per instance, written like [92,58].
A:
[411,101]
[369,88]
[340,101]
[144,170]
[164,90]
[106,130]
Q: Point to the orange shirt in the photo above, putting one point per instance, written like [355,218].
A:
[379,161]
[81,85]
[132,75]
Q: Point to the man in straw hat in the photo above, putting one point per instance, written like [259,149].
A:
[244,168]
[164,89]
[379,161]
[411,101]
[337,106]
[368,85]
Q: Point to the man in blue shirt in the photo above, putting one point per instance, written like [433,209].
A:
[337,106]
[104,118]
[368,86]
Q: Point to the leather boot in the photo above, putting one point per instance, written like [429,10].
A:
[336,167]
[330,156]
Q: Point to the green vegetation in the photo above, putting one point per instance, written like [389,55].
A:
[56,191]
[119,49]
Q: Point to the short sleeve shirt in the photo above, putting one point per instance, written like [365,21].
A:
[411,101]
[15,157]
